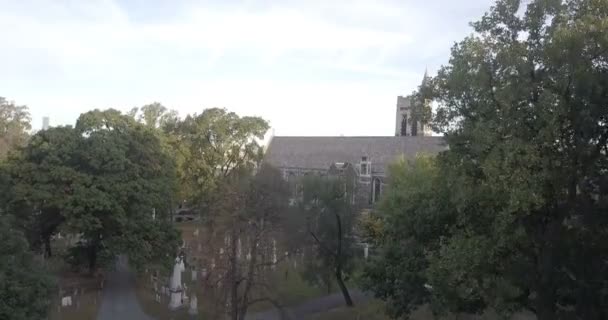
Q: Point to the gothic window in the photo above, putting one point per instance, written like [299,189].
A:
[414,128]
[377,190]
[404,125]
[364,168]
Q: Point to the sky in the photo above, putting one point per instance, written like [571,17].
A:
[309,67]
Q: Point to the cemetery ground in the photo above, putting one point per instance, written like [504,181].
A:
[289,287]
[79,294]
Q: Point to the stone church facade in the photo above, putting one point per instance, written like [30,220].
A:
[364,159]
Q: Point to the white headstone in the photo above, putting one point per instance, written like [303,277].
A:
[239,249]
[194,275]
[366,251]
[66,301]
[274,253]
[193,306]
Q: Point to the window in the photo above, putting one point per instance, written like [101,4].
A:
[364,169]
[377,190]
[404,125]
[365,166]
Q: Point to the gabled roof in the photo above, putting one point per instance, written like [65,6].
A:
[321,152]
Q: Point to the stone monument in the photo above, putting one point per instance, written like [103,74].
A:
[175,284]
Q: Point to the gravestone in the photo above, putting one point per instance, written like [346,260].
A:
[66,301]
[193,306]
[194,275]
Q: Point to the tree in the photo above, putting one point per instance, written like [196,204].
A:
[101,180]
[41,178]
[413,216]
[155,115]
[249,211]
[14,126]
[27,288]
[522,105]
[329,223]
[211,147]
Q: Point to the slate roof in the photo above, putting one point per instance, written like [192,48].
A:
[321,152]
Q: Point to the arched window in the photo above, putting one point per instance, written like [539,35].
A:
[404,125]
[376,190]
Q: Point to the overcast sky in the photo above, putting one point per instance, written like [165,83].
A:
[310,67]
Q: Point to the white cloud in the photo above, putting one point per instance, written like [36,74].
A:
[74,55]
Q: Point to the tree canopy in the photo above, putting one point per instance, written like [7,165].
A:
[324,219]
[102,180]
[522,104]
[14,126]
[27,287]
[211,146]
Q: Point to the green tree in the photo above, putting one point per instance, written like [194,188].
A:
[14,126]
[251,209]
[41,180]
[155,115]
[414,214]
[27,288]
[328,229]
[102,180]
[522,105]
[211,146]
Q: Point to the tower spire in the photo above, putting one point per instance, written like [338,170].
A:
[425,78]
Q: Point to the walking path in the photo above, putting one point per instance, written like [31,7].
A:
[310,307]
[120,302]
[118,298]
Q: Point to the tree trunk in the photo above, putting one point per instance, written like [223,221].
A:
[47,246]
[250,274]
[546,299]
[92,259]
[93,250]
[234,285]
[345,293]
[339,258]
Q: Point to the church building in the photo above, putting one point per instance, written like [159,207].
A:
[365,158]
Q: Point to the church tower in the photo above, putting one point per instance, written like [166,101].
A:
[404,126]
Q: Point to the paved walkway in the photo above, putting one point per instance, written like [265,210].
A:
[118,297]
[120,302]
[310,307]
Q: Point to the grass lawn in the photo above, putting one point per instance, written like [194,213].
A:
[373,310]
[83,289]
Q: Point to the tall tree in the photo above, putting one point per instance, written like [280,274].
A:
[523,106]
[213,145]
[102,180]
[330,216]
[14,126]
[248,217]
[414,215]
[42,178]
